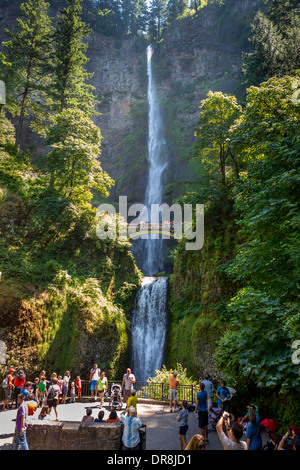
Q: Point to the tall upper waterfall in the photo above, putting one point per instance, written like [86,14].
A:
[149,251]
[149,318]
[149,326]
[153,260]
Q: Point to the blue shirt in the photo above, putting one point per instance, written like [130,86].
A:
[253,433]
[202,401]
[131,435]
[223,393]
[208,387]
[26,393]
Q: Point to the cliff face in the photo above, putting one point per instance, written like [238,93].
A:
[195,56]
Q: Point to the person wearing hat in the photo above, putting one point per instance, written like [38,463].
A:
[9,388]
[127,384]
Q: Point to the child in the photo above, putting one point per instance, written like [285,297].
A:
[60,384]
[44,412]
[100,417]
[182,418]
[32,404]
[35,390]
[88,418]
[132,400]
[42,389]
[72,400]
[78,386]
[27,389]
[52,377]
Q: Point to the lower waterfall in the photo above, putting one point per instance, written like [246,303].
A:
[149,327]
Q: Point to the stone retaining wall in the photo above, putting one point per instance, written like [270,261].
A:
[67,435]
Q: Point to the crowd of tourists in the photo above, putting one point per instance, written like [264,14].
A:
[46,394]
[230,434]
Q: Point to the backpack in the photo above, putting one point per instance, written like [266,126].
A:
[5,382]
[51,393]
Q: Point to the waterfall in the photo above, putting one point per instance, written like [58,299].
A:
[149,317]
[153,260]
[149,251]
[149,326]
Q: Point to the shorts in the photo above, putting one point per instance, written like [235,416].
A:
[126,394]
[202,419]
[173,394]
[52,402]
[183,429]
[93,387]
[65,390]
[8,393]
[209,402]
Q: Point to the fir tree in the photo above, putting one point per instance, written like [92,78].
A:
[26,62]
[267,58]
[69,89]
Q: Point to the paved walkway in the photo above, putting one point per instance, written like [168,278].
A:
[161,433]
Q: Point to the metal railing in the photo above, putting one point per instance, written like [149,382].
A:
[152,391]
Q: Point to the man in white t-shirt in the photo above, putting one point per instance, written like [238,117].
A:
[235,433]
[127,384]
[94,377]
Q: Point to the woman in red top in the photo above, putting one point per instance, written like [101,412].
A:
[113,417]
[19,382]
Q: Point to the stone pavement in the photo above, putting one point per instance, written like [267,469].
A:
[161,425]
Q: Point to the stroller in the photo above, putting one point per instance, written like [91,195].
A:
[116,400]
[271,428]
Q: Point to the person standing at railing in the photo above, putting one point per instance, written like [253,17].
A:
[173,390]
[94,377]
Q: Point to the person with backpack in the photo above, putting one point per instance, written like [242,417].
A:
[8,386]
[19,382]
[52,396]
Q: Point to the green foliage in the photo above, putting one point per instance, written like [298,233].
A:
[263,315]
[256,343]
[73,163]
[162,378]
[26,61]
[218,113]
[276,50]
[69,88]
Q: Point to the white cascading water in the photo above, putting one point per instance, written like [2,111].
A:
[153,259]
[149,326]
[149,318]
